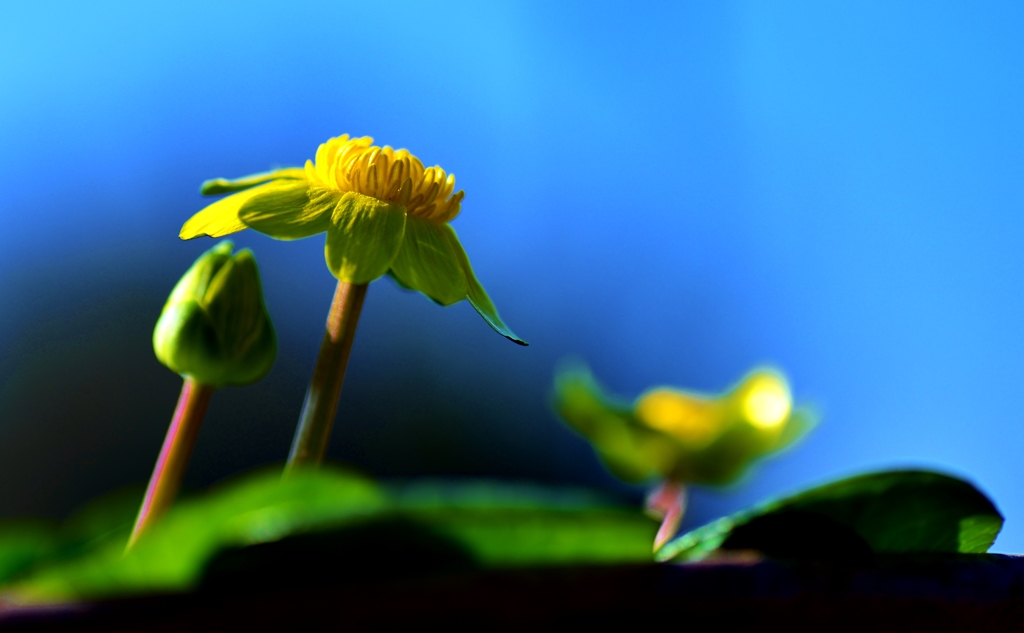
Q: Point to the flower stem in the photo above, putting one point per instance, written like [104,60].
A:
[668,503]
[170,466]
[317,415]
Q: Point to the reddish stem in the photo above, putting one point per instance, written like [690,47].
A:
[173,460]
[317,417]
[668,503]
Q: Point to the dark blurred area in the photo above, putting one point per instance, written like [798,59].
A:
[83,389]
[673,193]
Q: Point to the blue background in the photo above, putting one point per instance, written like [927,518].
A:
[673,192]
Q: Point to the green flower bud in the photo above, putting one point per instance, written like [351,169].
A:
[214,327]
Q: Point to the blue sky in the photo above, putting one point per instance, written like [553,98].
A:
[673,193]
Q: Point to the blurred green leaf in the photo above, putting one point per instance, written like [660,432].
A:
[173,554]
[894,512]
[439,527]
[26,544]
[532,537]
[100,522]
[23,544]
[265,529]
[504,525]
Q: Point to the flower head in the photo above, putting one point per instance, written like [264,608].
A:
[389,175]
[682,436]
[214,327]
[382,210]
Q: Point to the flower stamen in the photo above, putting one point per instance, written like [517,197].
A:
[387,174]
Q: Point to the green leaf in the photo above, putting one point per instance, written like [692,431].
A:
[427,262]
[224,185]
[364,237]
[513,526]
[100,522]
[24,544]
[289,210]
[440,527]
[892,512]
[172,556]
[476,294]
[261,527]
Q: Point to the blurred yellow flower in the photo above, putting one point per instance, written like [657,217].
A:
[382,210]
[681,436]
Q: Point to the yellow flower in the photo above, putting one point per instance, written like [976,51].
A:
[681,436]
[382,210]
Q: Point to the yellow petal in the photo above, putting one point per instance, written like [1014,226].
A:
[223,185]
[221,217]
[694,422]
[427,262]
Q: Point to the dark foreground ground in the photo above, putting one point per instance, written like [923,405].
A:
[961,593]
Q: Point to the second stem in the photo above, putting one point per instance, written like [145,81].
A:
[317,417]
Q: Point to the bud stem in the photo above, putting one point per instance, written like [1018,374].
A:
[170,466]
[318,410]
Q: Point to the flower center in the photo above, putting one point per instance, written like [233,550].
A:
[391,175]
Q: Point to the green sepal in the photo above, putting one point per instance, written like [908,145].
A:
[217,186]
[890,512]
[289,210]
[475,292]
[197,278]
[364,237]
[214,327]
[801,421]
[631,452]
[398,282]
[427,262]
